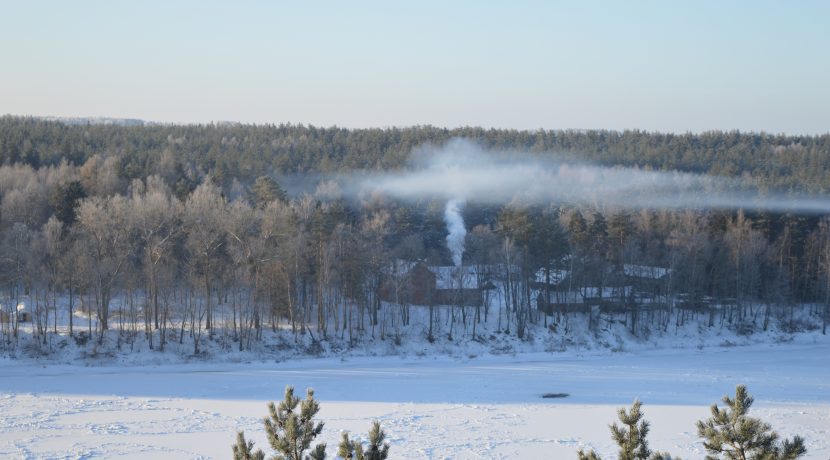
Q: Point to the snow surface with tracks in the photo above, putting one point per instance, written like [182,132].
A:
[431,407]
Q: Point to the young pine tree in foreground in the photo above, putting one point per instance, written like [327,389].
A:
[731,434]
[244,450]
[590,455]
[290,433]
[353,450]
[630,437]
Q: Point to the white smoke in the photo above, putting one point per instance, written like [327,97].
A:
[462,171]
[455,227]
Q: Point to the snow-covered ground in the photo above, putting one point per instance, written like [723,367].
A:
[437,407]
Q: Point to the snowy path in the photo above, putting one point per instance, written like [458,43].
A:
[431,408]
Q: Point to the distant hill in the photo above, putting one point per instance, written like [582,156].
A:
[96,121]
[227,150]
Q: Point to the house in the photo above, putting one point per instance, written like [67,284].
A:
[623,287]
[415,283]
[408,283]
[648,281]
[458,286]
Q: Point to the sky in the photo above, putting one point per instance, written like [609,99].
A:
[672,66]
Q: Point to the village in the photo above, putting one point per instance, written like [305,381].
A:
[552,290]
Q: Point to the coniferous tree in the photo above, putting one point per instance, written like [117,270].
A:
[291,433]
[619,231]
[590,455]
[266,190]
[353,450]
[377,450]
[244,450]
[64,201]
[348,449]
[731,434]
[631,436]
[662,456]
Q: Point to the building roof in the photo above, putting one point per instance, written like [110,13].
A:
[645,271]
[557,275]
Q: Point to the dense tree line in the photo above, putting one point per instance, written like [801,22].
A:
[182,231]
[245,152]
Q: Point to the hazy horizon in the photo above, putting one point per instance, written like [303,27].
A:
[104,119]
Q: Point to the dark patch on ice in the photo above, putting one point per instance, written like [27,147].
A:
[555,395]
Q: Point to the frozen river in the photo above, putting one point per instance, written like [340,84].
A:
[489,407]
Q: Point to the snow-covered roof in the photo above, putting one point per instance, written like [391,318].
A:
[446,277]
[399,268]
[606,292]
[557,275]
[645,271]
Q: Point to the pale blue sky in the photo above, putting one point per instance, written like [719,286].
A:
[654,65]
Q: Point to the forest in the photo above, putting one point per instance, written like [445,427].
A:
[163,232]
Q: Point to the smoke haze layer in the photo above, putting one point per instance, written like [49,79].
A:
[460,170]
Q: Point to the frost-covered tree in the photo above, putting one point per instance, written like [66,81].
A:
[204,211]
[107,225]
[157,215]
[247,250]
[15,247]
[731,434]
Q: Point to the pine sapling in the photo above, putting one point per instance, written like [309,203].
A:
[290,433]
[348,449]
[731,434]
[631,436]
[244,450]
[353,450]
[377,450]
[590,455]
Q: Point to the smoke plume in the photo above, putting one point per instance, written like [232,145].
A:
[463,171]
[455,227]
